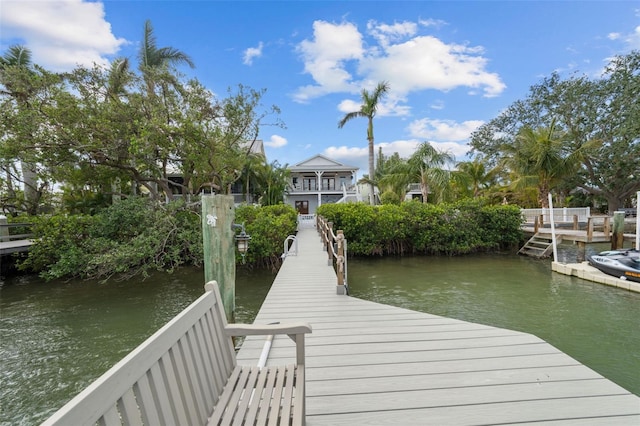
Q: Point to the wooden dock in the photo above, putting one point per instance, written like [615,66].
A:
[373,364]
[15,246]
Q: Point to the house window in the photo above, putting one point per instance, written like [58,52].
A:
[329,184]
[309,184]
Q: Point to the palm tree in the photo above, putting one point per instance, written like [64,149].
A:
[474,176]
[153,59]
[368,110]
[539,158]
[427,166]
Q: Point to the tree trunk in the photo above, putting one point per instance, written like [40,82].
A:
[30,181]
[371,173]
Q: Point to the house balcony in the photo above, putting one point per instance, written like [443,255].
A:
[298,189]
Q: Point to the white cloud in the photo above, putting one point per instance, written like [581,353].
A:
[425,62]
[385,33]
[633,39]
[324,58]
[61,34]
[337,61]
[251,53]
[443,130]
[613,36]
[276,142]
[359,156]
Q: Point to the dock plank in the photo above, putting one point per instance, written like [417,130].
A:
[370,363]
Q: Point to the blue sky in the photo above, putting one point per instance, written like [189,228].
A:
[451,65]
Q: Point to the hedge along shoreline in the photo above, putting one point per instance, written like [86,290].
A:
[138,236]
[463,227]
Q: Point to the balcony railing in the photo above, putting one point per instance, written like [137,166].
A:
[316,188]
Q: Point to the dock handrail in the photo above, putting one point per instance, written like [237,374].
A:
[286,250]
[5,234]
[335,244]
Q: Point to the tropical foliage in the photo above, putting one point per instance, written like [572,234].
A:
[418,228]
[368,110]
[592,122]
[117,133]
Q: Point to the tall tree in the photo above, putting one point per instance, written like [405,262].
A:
[154,60]
[474,176]
[540,158]
[24,88]
[368,110]
[601,118]
[426,166]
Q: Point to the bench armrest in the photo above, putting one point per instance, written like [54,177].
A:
[295,330]
[267,329]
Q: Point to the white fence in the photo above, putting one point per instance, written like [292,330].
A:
[561,214]
[306,221]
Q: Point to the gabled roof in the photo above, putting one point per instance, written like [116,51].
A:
[255,147]
[320,162]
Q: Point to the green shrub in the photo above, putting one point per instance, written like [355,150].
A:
[268,226]
[412,227]
[131,237]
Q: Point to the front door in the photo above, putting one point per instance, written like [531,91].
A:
[302,207]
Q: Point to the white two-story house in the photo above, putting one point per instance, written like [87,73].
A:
[320,180]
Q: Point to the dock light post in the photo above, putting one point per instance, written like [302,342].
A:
[242,239]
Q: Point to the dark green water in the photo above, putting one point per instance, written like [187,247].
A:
[55,338]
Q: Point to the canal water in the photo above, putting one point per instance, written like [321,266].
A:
[55,338]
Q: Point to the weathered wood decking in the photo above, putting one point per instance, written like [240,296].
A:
[368,363]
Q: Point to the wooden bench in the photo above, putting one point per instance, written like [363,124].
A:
[186,374]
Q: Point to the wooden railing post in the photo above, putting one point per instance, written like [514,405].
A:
[607,226]
[536,225]
[589,229]
[575,222]
[4,229]
[330,243]
[340,266]
[617,237]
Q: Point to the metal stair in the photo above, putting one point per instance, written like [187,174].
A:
[538,246]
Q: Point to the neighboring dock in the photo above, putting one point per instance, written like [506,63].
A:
[369,363]
[587,272]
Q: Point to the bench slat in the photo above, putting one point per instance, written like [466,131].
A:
[265,407]
[159,390]
[238,389]
[258,399]
[190,397]
[128,408]
[205,357]
[248,395]
[287,398]
[110,418]
[148,409]
[276,399]
[299,402]
[173,389]
[218,411]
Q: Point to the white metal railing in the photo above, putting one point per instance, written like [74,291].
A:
[287,247]
[306,221]
[316,188]
[560,214]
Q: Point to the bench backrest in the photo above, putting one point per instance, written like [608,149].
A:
[174,377]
